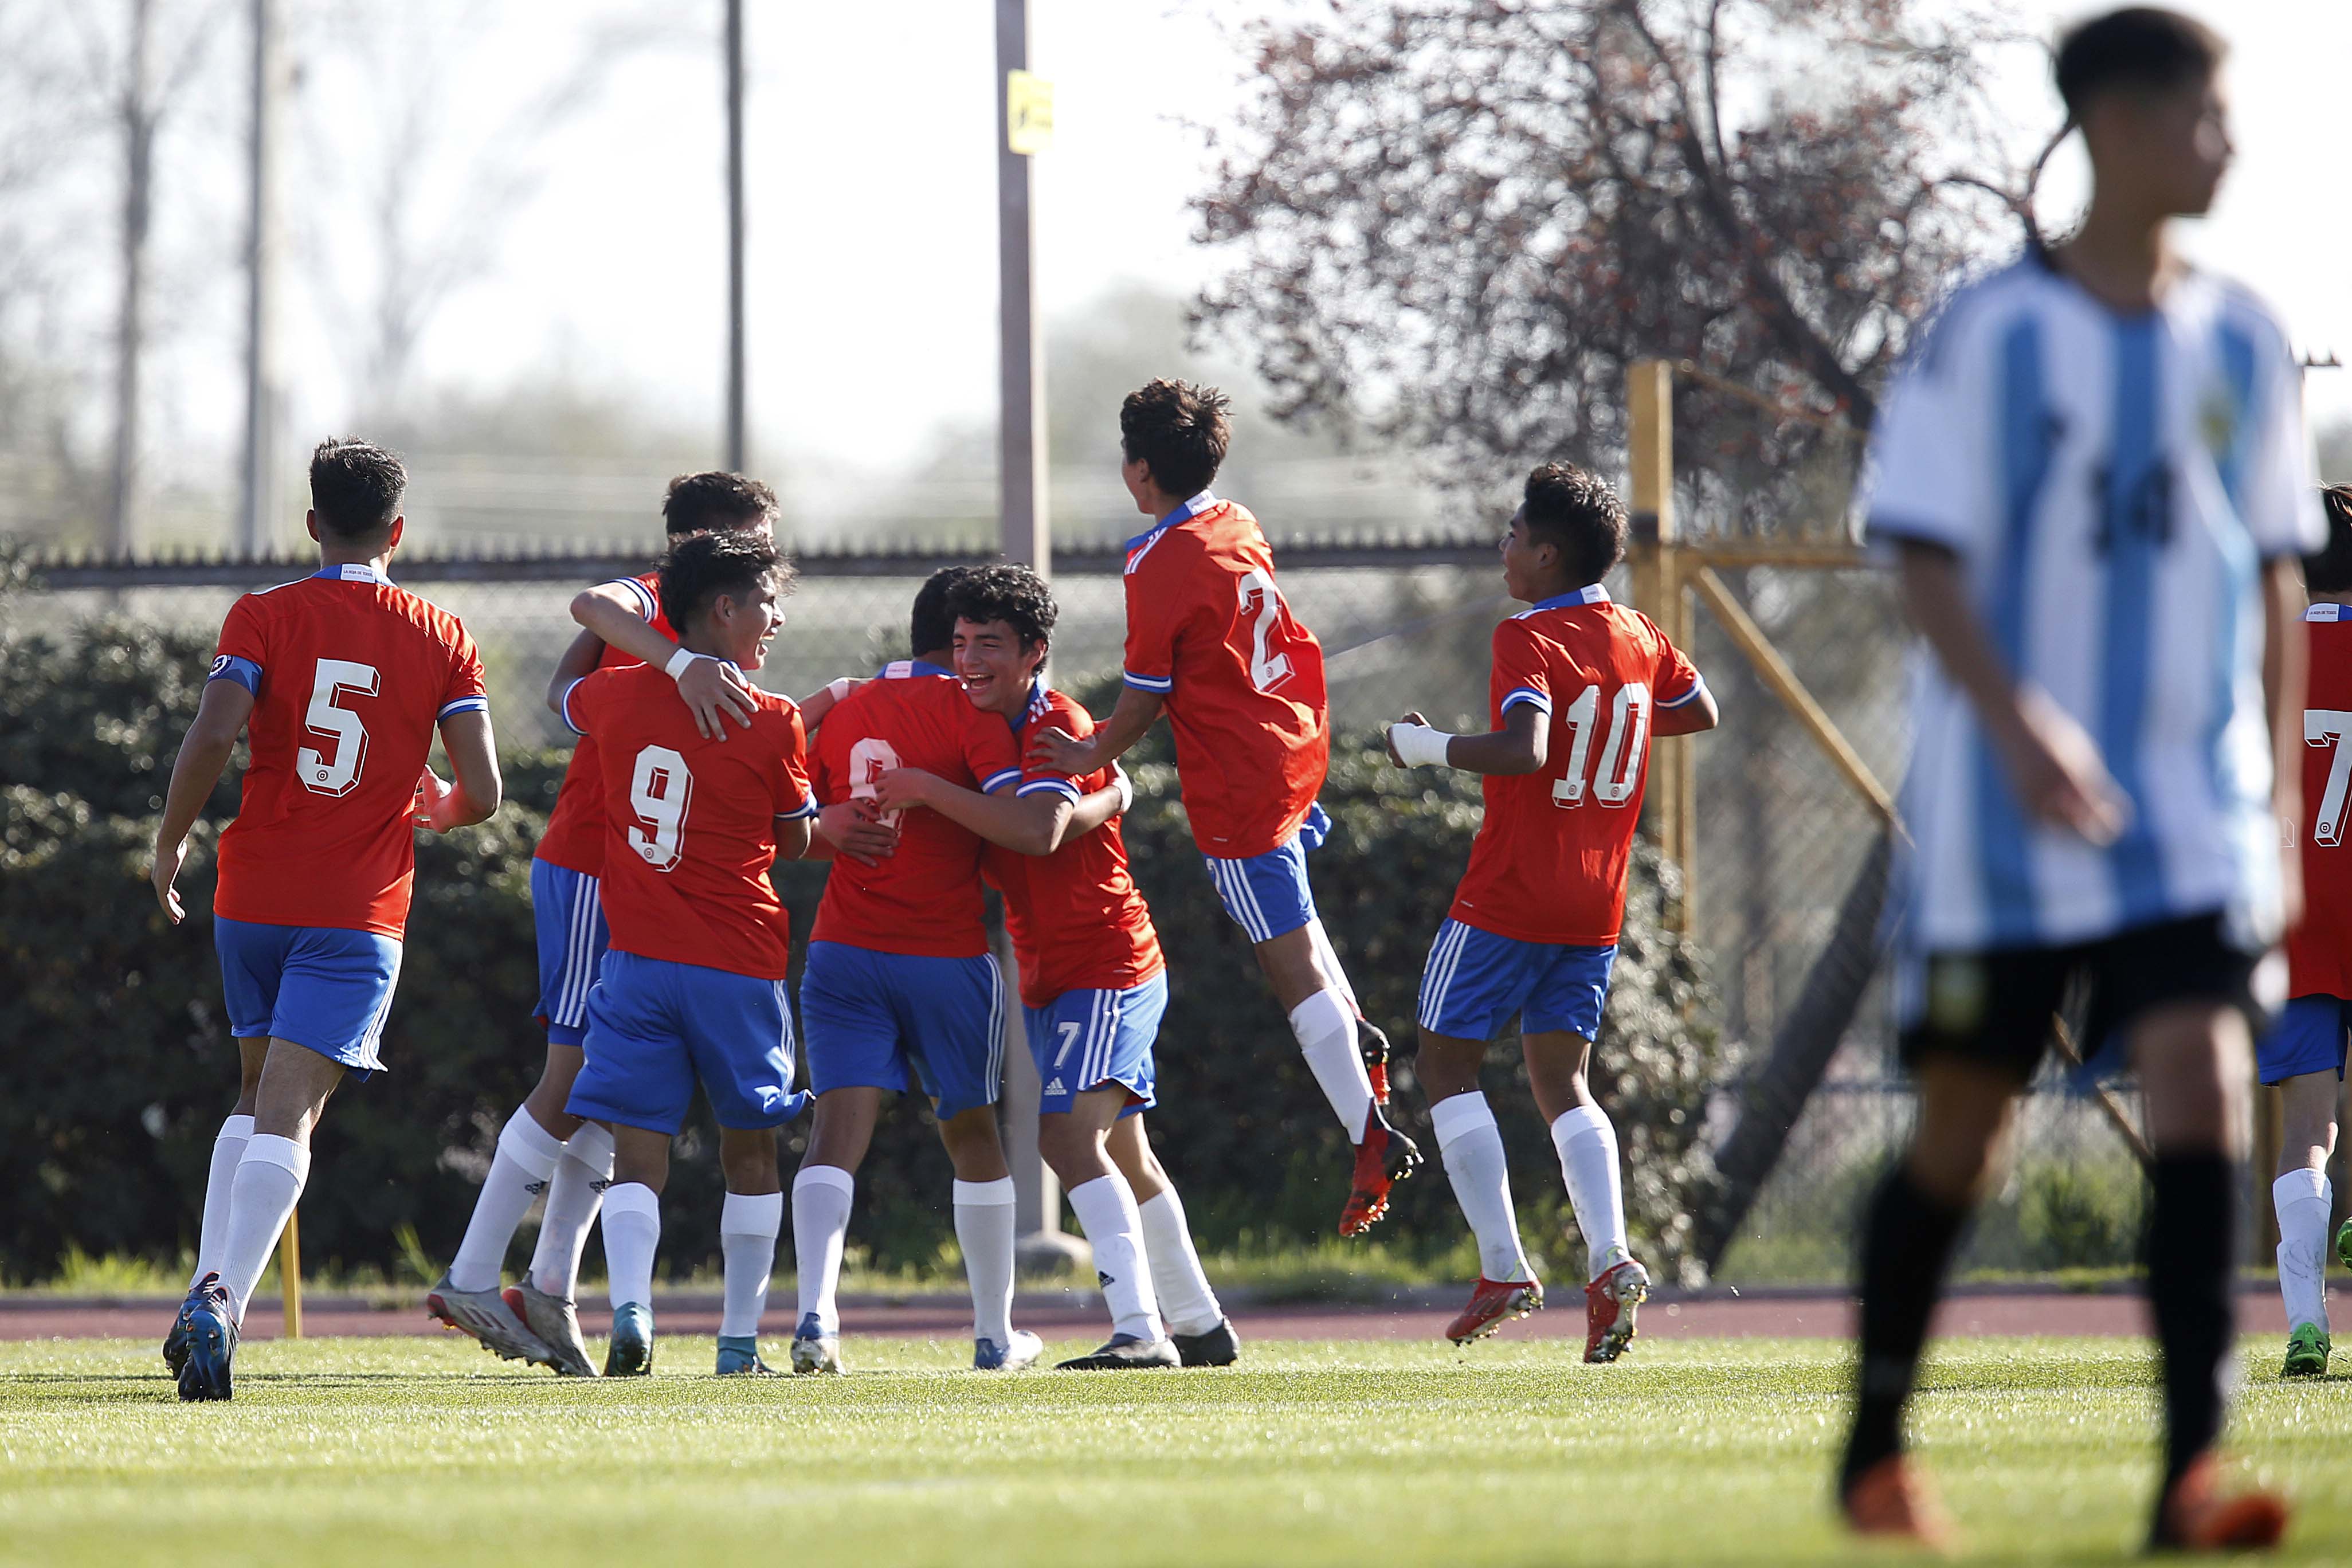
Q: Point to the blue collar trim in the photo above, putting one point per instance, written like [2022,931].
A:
[352,572]
[1185,513]
[1591,593]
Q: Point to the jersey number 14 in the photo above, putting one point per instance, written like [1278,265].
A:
[1622,750]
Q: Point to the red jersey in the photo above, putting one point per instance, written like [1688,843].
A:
[2319,948]
[690,823]
[1548,863]
[1077,919]
[574,838]
[1208,630]
[925,899]
[349,675]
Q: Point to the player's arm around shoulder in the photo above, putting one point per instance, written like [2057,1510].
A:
[620,614]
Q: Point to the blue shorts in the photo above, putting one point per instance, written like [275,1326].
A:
[572,937]
[1268,894]
[1086,1039]
[656,1026]
[319,986]
[1476,980]
[898,1021]
[2309,1037]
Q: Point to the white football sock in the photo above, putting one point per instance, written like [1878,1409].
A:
[983,1223]
[518,1174]
[262,1196]
[631,1237]
[228,1148]
[1325,1026]
[1471,1146]
[748,1224]
[1588,1159]
[574,1196]
[1177,1277]
[1328,957]
[2302,1199]
[1106,1213]
[821,1196]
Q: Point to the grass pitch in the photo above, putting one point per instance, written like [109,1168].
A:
[425,1453]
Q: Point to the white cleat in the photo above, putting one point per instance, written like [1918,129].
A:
[486,1316]
[814,1351]
[987,1355]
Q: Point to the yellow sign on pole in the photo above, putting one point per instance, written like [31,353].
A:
[1028,112]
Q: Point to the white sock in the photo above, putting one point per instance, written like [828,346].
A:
[1106,1213]
[1472,1149]
[1325,1026]
[983,1223]
[518,1174]
[1588,1161]
[631,1237]
[1328,957]
[1177,1277]
[262,1196]
[228,1148]
[748,1224]
[574,1196]
[821,1196]
[2302,1199]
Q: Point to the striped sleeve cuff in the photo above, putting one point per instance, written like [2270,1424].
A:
[477,704]
[1527,695]
[1691,696]
[563,708]
[647,605]
[995,781]
[1159,683]
[244,671]
[1048,787]
[806,809]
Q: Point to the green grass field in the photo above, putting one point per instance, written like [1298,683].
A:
[425,1453]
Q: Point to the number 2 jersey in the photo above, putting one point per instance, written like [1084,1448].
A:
[2319,948]
[574,837]
[1548,864]
[1208,631]
[349,675]
[690,823]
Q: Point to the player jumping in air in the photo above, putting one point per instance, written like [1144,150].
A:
[693,988]
[2094,473]
[341,679]
[1092,980]
[1211,642]
[2303,1053]
[1579,685]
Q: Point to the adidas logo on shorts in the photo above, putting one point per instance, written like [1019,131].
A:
[1056,1087]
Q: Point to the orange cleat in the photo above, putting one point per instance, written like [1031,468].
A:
[1892,1500]
[1610,1303]
[2191,1517]
[1384,1158]
[1492,1304]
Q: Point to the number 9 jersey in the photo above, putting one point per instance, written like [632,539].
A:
[1548,864]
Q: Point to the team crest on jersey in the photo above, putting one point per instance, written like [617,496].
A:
[2217,419]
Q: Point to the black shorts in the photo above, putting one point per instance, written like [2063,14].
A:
[1996,1006]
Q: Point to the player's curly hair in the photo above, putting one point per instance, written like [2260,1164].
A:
[1004,591]
[931,628]
[1180,430]
[2143,47]
[355,487]
[699,567]
[2329,571]
[715,500]
[1579,514]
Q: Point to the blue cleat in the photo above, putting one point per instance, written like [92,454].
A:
[814,1351]
[987,1355]
[209,1333]
[631,1353]
[738,1356]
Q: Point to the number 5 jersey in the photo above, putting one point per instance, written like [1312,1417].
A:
[349,675]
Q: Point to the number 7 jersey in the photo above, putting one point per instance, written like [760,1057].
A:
[2319,948]
[1548,864]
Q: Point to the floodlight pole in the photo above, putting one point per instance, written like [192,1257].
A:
[264,396]
[736,455]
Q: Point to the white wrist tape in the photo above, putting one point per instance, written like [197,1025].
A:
[838,689]
[678,662]
[1419,746]
[1125,787]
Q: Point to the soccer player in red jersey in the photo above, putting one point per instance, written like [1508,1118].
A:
[1092,980]
[2303,1053]
[693,987]
[900,990]
[1579,685]
[341,680]
[1211,642]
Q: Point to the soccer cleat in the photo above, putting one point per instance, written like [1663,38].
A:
[175,1342]
[486,1315]
[1374,1044]
[1126,1352]
[739,1357]
[987,1355]
[631,1351]
[1610,1303]
[1492,1304]
[2190,1518]
[1220,1346]
[814,1351]
[1384,1158]
[2306,1352]
[2344,1244]
[211,1341]
[1892,1500]
[556,1320]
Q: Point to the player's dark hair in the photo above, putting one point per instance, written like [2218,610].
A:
[2145,47]
[701,566]
[1005,592]
[1577,514]
[1180,430]
[932,629]
[700,501]
[355,487]
[2329,571]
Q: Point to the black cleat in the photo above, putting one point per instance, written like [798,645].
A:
[1221,1346]
[175,1343]
[211,1342]
[1384,1158]
[1126,1352]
